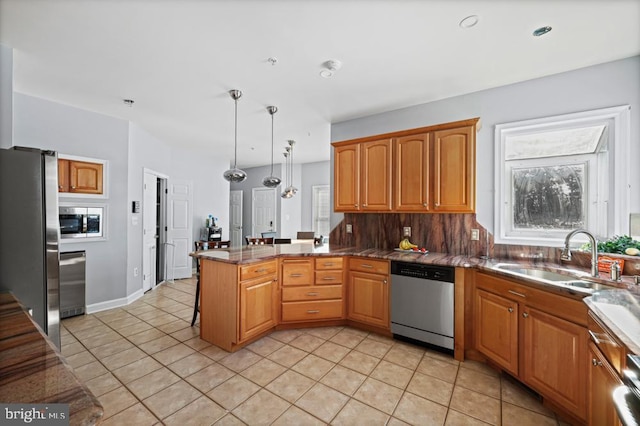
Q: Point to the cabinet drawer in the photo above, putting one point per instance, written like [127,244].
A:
[329,263]
[312,293]
[297,272]
[307,311]
[255,270]
[328,277]
[564,307]
[369,265]
[609,345]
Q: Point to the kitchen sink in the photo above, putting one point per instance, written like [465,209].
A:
[564,277]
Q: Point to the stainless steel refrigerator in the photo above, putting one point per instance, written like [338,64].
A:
[30,232]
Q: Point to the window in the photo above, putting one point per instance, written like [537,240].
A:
[561,173]
[321,209]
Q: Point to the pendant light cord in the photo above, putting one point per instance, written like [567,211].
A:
[272,144]
[235,155]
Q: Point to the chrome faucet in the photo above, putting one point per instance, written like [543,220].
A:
[566,251]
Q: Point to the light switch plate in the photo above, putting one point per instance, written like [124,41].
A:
[349,228]
[406,231]
[475,234]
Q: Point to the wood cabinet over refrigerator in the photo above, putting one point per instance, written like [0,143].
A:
[429,170]
[80,177]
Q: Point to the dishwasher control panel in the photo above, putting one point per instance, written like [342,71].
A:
[417,270]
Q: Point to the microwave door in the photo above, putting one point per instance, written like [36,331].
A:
[71,225]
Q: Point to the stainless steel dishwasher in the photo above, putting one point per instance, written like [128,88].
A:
[422,302]
[72,283]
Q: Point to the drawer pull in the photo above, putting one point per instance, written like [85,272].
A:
[295,275]
[329,278]
[328,264]
[596,363]
[517,294]
[313,293]
[261,270]
[313,311]
[366,265]
[601,339]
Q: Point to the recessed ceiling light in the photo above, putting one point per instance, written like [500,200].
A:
[541,31]
[469,21]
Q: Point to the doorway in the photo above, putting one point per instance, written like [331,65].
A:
[235,215]
[154,236]
[263,211]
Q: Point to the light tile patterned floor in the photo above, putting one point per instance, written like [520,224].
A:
[148,366]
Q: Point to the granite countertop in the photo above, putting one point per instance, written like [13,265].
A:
[618,307]
[619,310]
[33,371]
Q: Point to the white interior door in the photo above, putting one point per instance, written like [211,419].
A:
[235,213]
[179,226]
[263,215]
[149,237]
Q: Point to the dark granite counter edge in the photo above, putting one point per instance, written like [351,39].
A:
[30,357]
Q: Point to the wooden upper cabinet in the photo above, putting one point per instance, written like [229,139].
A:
[411,175]
[430,170]
[454,170]
[80,177]
[375,176]
[63,175]
[346,172]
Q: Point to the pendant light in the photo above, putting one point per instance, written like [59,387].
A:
[290,190]
[235,174]
[271,181]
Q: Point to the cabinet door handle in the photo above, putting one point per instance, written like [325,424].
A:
[295,275]
[596,363]
[525,315]
[384,281]
[314,311]
[328,278]
[73,187]
[312,293]
[510,310]
[517,294]
[366,265]
[425,205]
[356,205]
[364,205]
[601,339]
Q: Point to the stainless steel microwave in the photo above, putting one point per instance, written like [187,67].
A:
[81,222]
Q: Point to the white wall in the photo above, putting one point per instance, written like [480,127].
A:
[6,96]
[605,85]
[210,190]
[44,124]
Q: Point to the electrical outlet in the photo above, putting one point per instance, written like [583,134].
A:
[406,231]
[136,272]
[475,234]
[349,228]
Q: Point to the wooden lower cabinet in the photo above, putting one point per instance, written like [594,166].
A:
[603,379]
[237,302]
[496,329]
[257,306]
[312,289]
[368,292]
[530,333]
[554,359]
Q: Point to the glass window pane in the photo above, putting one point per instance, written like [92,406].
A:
[549,197]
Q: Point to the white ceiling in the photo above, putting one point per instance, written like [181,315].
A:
[178,59]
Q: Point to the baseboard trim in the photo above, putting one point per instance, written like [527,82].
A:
[115,303]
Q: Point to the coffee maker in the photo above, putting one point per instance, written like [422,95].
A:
[214,233]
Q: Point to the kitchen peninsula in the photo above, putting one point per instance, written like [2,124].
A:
[247,292]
